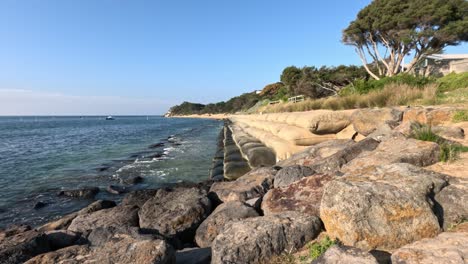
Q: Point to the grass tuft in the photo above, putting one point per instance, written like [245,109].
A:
[460,116]
[448,151]
[318,248]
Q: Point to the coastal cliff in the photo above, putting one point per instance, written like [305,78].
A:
[279,184]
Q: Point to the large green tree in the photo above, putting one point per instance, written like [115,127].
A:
[386,31]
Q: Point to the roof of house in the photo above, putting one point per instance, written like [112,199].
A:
[448,56]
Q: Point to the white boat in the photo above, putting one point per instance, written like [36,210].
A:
[109,118]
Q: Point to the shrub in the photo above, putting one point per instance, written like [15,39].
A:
[453,81]
[364,87]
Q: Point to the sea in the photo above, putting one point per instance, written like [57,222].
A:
[40,156]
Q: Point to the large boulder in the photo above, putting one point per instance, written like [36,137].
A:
[344,254]
[430,116]
[65,221]
[303,196]
[17,246]
[382,207]
[138,197]
[252,185]
[445,248]
[176,213]
[115,216]
[290,174]
[398,150]
[317,152]
[453,202]
[366,121]
[120,250]
[257,239]
[335,162]
[226,212]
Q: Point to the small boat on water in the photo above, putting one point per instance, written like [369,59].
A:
[110,118]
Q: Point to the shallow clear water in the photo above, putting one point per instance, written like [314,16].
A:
[41,156]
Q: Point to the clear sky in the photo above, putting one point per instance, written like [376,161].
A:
[141,57]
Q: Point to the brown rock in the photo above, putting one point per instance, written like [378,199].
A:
[302,196]
[226,212]
[382,207]
[430,116]
[366,121]
[252,185]
[445,248]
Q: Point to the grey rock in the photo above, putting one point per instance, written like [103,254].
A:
[290,174]
[139,197]
[176,213]
[224,213]
[344,254]
[452,202]
[116,216]
[398,150]
[65,221]
[252,185]
[257,239]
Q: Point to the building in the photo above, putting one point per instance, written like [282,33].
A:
[442,64]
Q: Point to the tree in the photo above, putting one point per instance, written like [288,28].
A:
[290,76]
[404,27]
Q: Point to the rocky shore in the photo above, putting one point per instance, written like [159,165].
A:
[278,181]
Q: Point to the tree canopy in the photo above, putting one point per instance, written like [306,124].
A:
[403,27]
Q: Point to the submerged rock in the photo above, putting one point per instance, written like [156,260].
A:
[176,213]
[88,192]
[382,207]
[257,239]
[226,212]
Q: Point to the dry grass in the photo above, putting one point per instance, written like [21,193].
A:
[391,95]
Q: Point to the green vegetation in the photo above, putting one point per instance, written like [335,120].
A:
[453,81]
[363,87]
[419,27]
[318,248]
[460,116]
[449,151]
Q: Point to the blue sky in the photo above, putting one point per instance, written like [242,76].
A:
[140,57]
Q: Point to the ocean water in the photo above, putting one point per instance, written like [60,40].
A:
[39,156]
